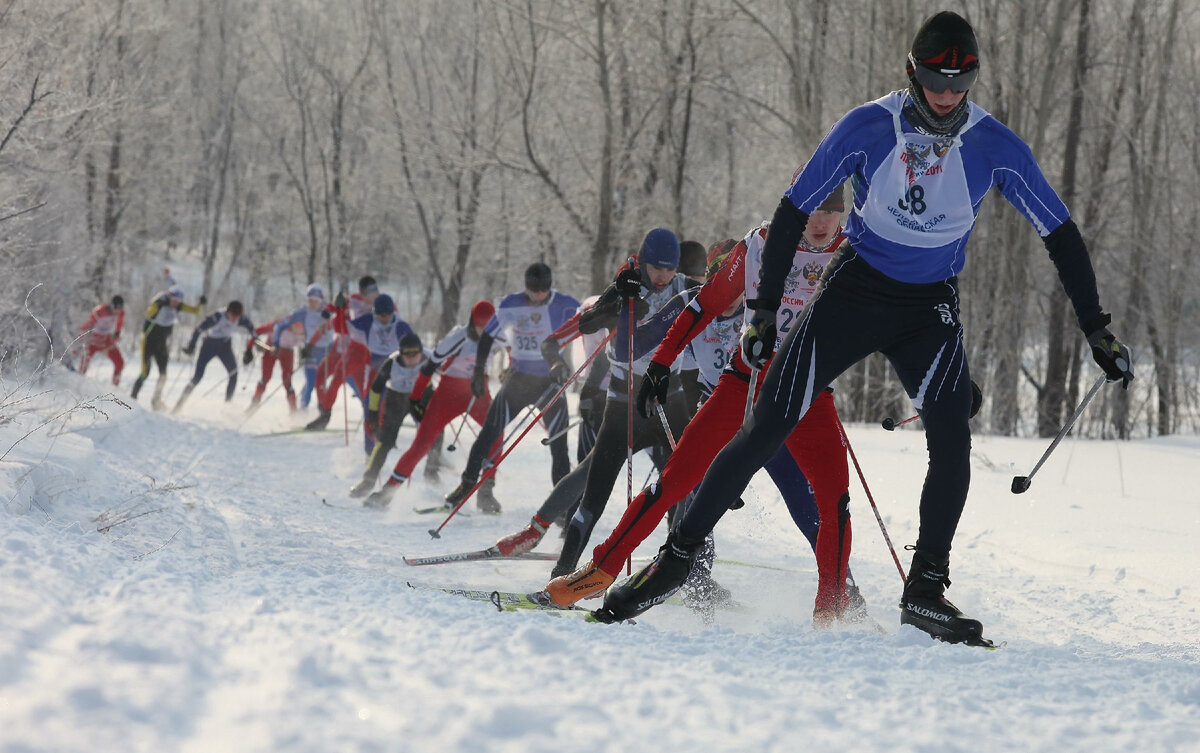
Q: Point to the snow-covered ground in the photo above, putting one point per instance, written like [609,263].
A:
[174,583]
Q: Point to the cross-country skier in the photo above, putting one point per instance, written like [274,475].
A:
[655,287]
[217,329]
[101,333]
[277,340]
[161,315]
[921,162]
[522,321]
[815,445]
[311,316]
[455,356]
[348,359]
[388,402]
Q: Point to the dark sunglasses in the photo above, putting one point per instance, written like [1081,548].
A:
[937,82]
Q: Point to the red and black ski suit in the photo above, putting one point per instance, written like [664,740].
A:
[815,443]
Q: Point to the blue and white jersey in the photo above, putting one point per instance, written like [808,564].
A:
[311,320]
[522,325]
[381,339]
[916,196]
[218,326]
[712,348]
[645,344]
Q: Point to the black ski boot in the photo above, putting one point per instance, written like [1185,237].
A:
[320,422]
[653,584]
[381,497]
[485,500]
[461,491]
[924,606]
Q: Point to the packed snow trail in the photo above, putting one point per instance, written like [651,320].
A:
[226,608]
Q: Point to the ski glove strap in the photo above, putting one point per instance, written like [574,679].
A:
[654,385]
[1111,355]
[758,341]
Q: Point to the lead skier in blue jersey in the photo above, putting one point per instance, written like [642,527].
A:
[920,162]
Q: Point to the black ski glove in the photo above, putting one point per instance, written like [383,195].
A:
[758,341]
[589,400]
[305,351]
[654,384]
[1111,355]
[189,349]
[478,381]
[247,357]
[552,355]
[326,313]
[628,283]
[976,399]
[203,300]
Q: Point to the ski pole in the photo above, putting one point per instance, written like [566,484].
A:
[454,442]
[491,471]
[891,424]
[254,408]
[662,416]
[1021,483]
[561,432]
[521,422]
[214,385]
[863,479]
[629,422]
[750,394]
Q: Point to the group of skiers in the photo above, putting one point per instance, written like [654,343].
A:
[717,377]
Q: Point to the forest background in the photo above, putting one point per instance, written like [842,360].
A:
[444,145]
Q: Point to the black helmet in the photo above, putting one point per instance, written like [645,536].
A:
[234,307]
[944,55]
[537,277]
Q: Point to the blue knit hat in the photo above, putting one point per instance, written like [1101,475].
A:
[385,305]
[660,248]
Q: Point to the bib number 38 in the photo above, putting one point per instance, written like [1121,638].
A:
[913,201]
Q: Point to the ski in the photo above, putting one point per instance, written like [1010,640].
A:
[290,432]
[327,503]
[437,508]
[491,553]
[508,601]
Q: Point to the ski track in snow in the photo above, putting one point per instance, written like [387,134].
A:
[238,613]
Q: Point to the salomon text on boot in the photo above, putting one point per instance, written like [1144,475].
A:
[654,583]
[925,607]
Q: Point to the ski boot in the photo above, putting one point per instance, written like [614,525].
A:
[654,583]
[320,422]
[587,582]
[433,462]
[855,611]
[381,497]
[486,501]
[525,539]
[362,488]
[460,492]
[924,606]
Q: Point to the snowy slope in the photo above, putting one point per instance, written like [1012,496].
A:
[227,609]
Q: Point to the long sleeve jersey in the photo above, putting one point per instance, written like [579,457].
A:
[380,339]
[218,326]
[104,320]
[916,198]
[740,274]
[523,325]
[160,312]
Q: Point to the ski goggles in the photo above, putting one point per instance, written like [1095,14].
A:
[412,352]
[938,80]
